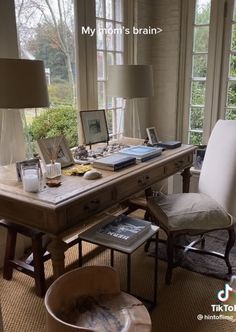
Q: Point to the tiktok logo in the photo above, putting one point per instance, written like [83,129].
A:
[223,294]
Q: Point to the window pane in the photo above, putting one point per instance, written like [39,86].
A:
[233,38]
[119,38]
[119,58]
[109,9]
[201,36]
[118,10]
[232,66]
[100,35]
[196,117]
[198,93]
[109,36]
[101,95]
[200,65]
[230,114]
[99,8]
[110,58]
[195,138]
[234,13]
[109,120]
[100,66]
[231,94]
[203,11]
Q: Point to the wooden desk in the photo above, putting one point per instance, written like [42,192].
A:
[78,202]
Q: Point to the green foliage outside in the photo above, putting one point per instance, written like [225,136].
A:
[54,122]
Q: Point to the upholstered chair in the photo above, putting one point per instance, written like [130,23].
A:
[212,208]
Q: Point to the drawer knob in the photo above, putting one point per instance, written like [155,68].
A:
[92,206]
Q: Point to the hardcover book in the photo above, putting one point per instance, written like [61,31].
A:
[142,152]
[123,229]
[169,144]
[114,162]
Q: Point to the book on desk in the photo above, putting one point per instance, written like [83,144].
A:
[114,162]
[142,152]
[169,144]
[123,229]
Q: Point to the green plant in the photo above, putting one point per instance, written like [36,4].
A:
[54,122]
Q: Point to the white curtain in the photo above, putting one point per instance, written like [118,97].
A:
[12,144]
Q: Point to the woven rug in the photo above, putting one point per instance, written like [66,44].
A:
[204,264]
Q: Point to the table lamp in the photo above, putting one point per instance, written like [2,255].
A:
[22,85]
[130,82]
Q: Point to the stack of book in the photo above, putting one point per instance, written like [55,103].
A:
[123,229]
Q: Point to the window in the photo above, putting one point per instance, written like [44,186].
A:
[210,72]
[110,50]
[46,32]
[229,98]
[199,70]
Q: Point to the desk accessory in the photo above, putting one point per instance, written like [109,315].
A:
[92,175]
[94,126]
[31,178]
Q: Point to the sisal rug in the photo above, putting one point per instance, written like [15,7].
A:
[204,264]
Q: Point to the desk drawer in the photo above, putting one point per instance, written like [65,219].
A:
[139,183]
[177,165]
[93,204]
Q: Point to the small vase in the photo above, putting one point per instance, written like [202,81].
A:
[53,170]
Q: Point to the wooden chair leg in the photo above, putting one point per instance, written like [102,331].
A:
[170,258]
[38,263]
[229,246]
[9,254]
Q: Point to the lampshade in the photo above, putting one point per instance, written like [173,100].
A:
[130,81]
[22,84]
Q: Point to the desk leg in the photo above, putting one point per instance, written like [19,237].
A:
[128,273]
[155,270]
[186,174]
[57,248]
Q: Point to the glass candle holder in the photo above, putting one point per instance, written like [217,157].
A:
[53,170]
[31,178]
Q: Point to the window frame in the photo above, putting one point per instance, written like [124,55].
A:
[217,67]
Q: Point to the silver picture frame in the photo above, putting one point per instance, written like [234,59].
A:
[152,135]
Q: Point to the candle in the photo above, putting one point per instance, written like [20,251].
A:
[30,179]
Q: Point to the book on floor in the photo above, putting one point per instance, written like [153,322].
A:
[142,152]
[114,162]
[123,229]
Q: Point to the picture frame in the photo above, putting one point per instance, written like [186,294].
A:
[29,162]
[152,135]
[94,125]
[55,145]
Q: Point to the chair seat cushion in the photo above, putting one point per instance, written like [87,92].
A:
[190,211]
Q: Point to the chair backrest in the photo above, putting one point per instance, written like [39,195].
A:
[218,173]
